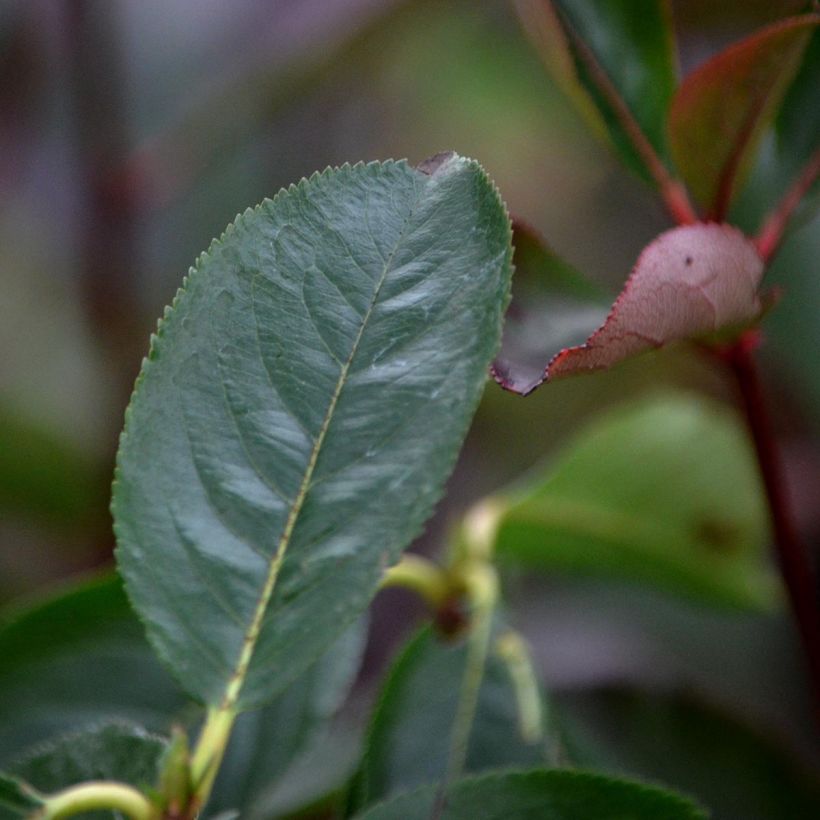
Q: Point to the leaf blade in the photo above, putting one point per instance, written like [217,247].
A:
[547,794]
[330,279]
[664,493]
[720,110]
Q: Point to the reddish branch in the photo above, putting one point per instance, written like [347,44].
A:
[774,228]
[792,555]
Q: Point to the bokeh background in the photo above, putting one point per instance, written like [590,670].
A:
[131,133]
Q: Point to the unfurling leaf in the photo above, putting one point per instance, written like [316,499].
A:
[721,109]
[690,282]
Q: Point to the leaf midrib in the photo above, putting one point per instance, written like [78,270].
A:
[237,679]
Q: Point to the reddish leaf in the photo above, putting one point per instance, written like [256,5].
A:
[721,109]
[691,281]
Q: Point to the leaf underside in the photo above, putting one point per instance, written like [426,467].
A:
[304,400]
[690,282]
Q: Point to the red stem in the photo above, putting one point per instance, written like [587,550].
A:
[793,557]
[774,228]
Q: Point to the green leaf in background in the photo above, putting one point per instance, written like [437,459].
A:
[664,493]
[302,404]
[721,109]
[17,799]
[553,307]
[410,734]
[81,658]
[735,771]
[612,61]
[74,661]
[42,477]
[115,752]
[546,795]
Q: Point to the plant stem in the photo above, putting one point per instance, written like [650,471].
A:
[96,795]
[513,651]
[774,228]
[209,751]
[421,576]
[792,555]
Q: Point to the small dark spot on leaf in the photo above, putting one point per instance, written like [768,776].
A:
[688,261]
[432,164]
[717,535]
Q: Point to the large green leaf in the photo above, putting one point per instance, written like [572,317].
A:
[665,493]
[299,411]
[722,108]
[613,62]
[114,752]
[546,795]
[74,661]
[735,771]
[409,739]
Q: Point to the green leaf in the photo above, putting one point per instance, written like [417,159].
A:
[408,743]
[82,658]
[621,732]
[265,744]
[664,493]
[17,799]
[116,752]
[721,109]
[302,404]
[547,795]
[74,661]
[614,63]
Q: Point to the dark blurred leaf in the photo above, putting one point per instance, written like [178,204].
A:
[553,307]
[610,59]
[664,493]
[546,795]
[82,658]
[116,752]
[41,477]
[409,740]
[722,108]
[729,768]
[17,799]
[75,661]
[692,281]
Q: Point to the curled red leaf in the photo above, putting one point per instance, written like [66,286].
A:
[690,282]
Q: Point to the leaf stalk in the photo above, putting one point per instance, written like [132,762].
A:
[96,795]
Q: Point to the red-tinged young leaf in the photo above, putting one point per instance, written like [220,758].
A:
[691,281]
[722,108]
[617,67]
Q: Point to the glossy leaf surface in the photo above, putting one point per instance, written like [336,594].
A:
[608,58]
[409,739]
[690,282]
[302,404]
[665,493]
[721,109]
[547,795]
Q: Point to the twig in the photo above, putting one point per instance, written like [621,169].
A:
[774,227]
[793,558]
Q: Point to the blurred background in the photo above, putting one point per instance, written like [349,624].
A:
[131,133]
